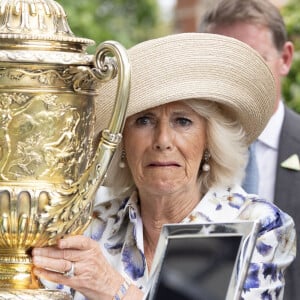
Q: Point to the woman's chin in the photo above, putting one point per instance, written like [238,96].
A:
[163,187]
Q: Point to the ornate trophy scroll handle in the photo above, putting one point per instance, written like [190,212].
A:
[107,69]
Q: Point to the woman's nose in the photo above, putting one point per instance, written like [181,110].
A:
[163,138]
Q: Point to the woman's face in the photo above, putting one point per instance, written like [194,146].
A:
[164,147]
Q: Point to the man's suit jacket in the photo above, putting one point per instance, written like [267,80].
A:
[287,192]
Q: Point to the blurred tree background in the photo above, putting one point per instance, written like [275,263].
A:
[291,84]
[126,21]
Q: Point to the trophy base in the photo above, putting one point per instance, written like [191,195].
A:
[38,294]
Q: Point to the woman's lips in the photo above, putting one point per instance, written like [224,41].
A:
[164,164]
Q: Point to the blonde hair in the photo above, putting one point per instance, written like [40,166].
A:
[225,142]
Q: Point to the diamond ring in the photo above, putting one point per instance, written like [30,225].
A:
[71,272]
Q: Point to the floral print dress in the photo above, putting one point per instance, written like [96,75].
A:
[119,231]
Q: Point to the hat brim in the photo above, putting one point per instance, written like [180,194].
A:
[197,66]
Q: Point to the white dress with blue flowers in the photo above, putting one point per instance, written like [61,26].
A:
[119,232]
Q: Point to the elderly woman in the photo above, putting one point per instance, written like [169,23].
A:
[197,101]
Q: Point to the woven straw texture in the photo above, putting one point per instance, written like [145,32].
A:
[197,65]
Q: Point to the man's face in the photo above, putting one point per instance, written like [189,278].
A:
[259,38]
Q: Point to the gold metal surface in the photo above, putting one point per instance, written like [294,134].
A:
[37,294]
[49,166]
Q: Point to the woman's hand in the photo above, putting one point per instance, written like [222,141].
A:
[93,276]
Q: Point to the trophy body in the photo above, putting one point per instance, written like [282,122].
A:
[50,165]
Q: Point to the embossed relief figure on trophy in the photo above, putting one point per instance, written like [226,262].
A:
[9,108]
[65,147]
[45,141]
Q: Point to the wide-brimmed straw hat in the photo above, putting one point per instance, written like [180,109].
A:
[197,66]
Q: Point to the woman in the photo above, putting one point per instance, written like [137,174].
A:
[197,101]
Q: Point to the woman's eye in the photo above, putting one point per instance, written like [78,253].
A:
[183,121]
[141,121]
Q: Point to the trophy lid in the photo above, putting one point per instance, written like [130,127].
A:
[37,25]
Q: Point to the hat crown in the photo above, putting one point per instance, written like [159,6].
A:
[201,66]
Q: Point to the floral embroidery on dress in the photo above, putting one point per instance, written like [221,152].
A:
[263,249]
[252,280]
[270,270]
[134,262]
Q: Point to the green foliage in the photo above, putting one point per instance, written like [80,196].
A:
[126,21]
[291,84]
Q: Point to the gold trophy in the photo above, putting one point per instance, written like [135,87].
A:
[50,163]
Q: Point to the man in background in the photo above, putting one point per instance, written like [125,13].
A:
[259,24]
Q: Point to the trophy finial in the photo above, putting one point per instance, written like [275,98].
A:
[38,20]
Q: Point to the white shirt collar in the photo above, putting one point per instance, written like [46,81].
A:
[271,133]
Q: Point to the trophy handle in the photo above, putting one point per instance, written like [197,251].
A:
[106,69]
[110,60]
